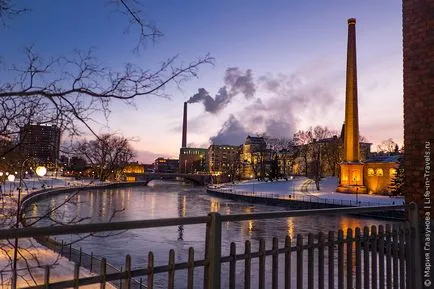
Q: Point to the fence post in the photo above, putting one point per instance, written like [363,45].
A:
[127,280]
[91,262]
[213,248]
[47,277]
[79,258]
[413,216]
[70,252]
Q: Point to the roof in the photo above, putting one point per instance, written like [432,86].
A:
[255,140]
[384,159]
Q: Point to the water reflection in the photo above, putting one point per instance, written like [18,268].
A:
[172,200]
[290,223]
[214,205]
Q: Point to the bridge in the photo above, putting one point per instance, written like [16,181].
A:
[198,179]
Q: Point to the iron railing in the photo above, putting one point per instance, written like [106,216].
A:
[372,258]
[300,197]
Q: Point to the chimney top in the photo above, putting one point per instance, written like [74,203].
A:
[352,21]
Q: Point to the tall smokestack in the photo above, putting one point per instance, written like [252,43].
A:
[351,141]
[184,127]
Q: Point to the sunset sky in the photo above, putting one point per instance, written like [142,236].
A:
[295,52]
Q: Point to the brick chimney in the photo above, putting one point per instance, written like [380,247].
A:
[184,127]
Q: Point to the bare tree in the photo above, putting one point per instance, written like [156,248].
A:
[302,139]
[108,154]
[387,146]
[362,138]
[68,90]
[330,153]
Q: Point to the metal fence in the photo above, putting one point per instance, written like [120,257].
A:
[369,258]
[300,197]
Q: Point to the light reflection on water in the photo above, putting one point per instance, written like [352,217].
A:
[174,200]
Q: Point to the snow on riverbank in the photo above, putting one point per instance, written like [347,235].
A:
[36,254]
[36,183]
[301,186]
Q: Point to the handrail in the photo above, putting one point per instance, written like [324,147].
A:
[100,227]
[298,213]
[152,223]
[305,198]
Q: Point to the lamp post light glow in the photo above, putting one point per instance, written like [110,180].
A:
[41,171]
[11,178]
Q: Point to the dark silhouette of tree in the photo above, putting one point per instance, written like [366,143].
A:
[396,186]
[387,146]
[69,90]
[108,154]
[302,139]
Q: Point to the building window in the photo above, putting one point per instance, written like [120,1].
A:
[370,172]
[344,176]
[355,176]
[392,172]
[379,172]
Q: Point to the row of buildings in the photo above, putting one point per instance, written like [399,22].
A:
[255,158]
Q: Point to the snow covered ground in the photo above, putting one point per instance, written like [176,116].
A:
[301,187]
[63,268]
[37,183]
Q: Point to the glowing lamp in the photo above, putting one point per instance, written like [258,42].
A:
[41,171]
[1,174]
[11,178]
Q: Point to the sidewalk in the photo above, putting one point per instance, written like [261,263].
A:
[304,188]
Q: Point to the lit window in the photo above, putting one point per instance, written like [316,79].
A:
[370,172]
[344,177]
[355,176]
[379,172]
[392,172]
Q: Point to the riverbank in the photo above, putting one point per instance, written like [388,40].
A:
[299,193]
[47,251]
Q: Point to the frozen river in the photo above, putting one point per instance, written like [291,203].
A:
[167,200]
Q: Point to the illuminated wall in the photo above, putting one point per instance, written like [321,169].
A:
[134,169]
[378,176]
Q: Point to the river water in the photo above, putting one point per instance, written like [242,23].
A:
[167,200]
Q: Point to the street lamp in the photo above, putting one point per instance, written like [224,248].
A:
[40,171]
[11,178]
[357,196]
[2,180]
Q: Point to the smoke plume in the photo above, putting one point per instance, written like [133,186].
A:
[236,82]
[288,99]
[232,133]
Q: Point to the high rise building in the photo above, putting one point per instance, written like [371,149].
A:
[41,142]
[192,160]
[223,159]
